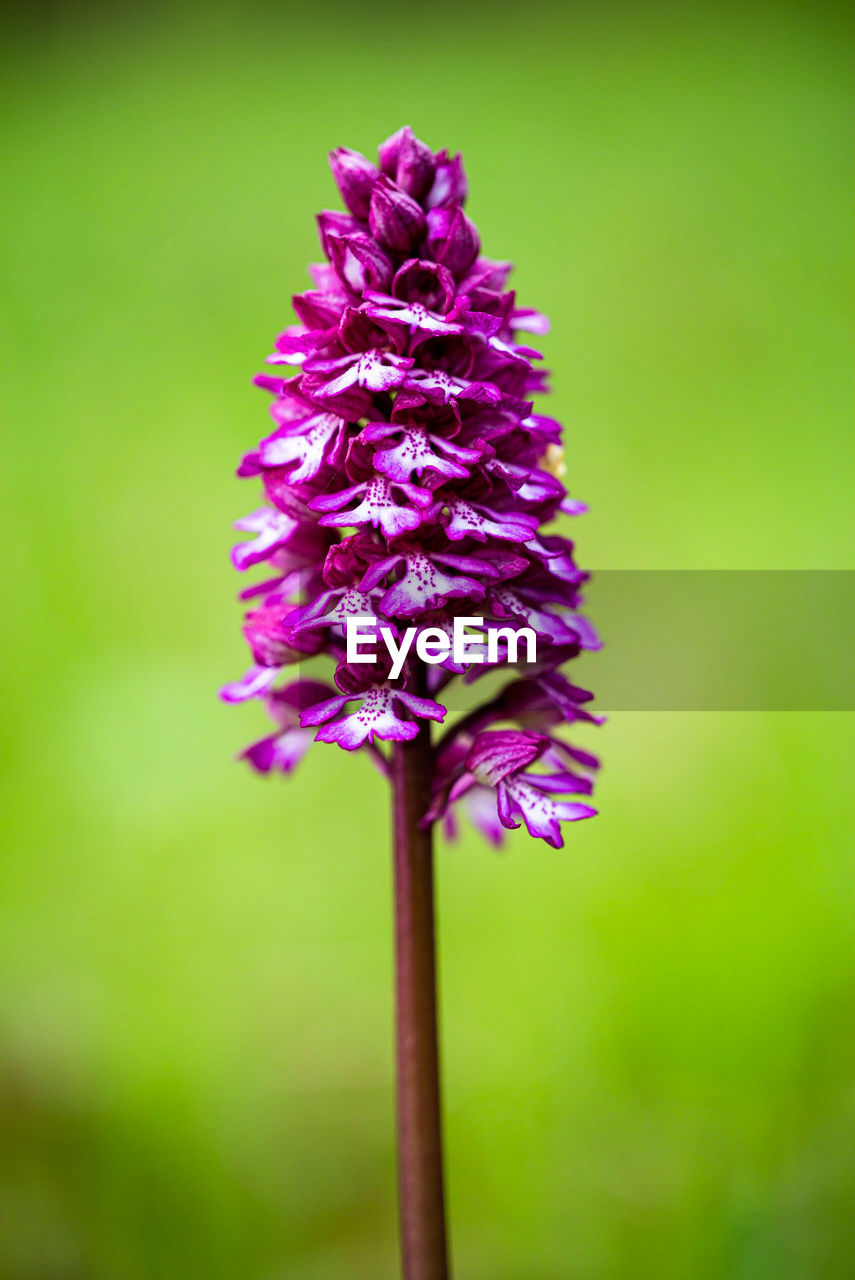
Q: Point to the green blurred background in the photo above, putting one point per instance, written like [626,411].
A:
[647,1054]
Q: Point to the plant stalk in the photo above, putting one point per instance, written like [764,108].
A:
[424,1252]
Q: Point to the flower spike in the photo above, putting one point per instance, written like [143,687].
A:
[409,483]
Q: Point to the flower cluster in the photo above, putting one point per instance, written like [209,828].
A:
[408,479]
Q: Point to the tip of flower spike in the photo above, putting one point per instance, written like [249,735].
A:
[408,161]
[389,151]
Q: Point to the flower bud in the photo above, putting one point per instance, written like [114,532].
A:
[268,637]
[449,184]
[355,177]
[358,332]
[388,151]
[409,161]
[396,220]
[359,262]
[452,239]
[335,222]
[315,309]
[425,282]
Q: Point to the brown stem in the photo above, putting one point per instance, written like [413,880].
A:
[424,1251]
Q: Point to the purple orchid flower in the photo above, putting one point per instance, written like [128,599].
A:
[500,759]
[409,484]
[284,749]
[376,715]
[377,506]
[413,316]
[416,450]
[273,529]
[372,370]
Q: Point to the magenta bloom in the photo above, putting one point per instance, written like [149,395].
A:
[409,480]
